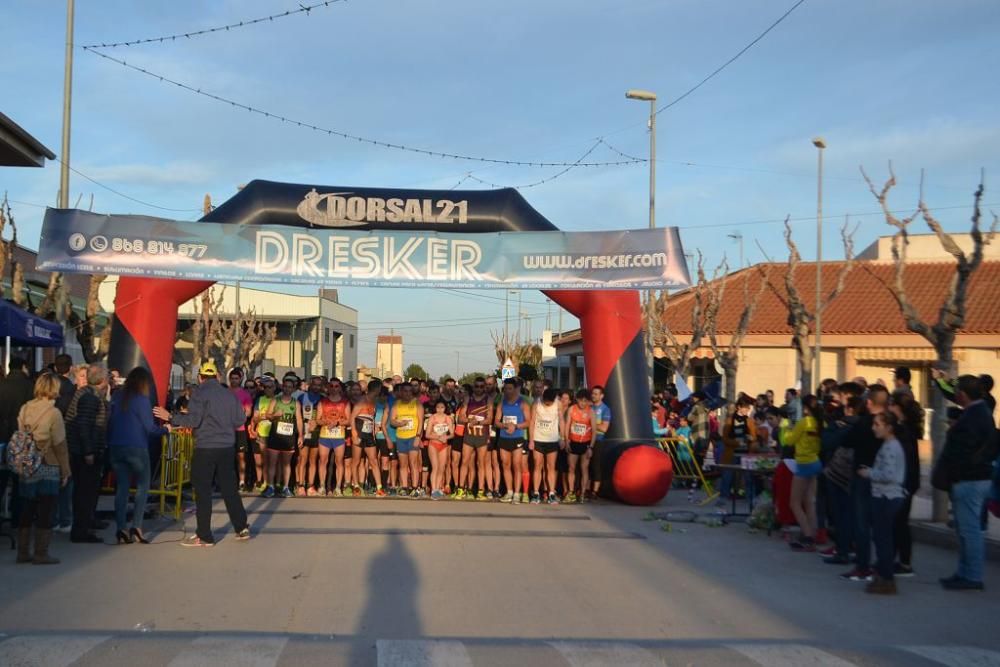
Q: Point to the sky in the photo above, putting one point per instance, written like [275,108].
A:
[911,81]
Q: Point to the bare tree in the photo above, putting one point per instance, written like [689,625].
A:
[661,335]
[951,313]
[521,354]
[800,319]
[729,356]
[213,334]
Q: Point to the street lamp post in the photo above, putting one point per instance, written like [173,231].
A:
[820,144]
[648,96]
[67,109]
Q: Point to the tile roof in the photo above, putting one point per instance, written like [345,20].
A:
[864,307]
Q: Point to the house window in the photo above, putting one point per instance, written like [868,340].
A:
[352,341]
[326,334]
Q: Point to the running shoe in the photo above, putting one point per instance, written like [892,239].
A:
[301,491]
[508,497]
[459,494]
[416,493]
[268,492]
[829,551]
[437,494]
[447,491]
[900,570]
[858,574]
[311,491]
[287,493]
[571,497]
[805,544]
[337,493]
[536,499]
[242,488]
[261,487]
[524,498]
[195,541]
[243,535]
[553,499]
[380,492]
[481,495]
[357,492]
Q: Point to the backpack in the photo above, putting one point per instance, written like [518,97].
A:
[23,455]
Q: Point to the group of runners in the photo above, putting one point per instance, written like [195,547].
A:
[517,442]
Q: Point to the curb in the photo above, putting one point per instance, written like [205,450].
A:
[939,535]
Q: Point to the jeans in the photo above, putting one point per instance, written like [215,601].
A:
[62,516]
[209,464]
[903,538]
[967,500]
[861,495]
[86,488]
[884,511]
[843,517]
[129,461]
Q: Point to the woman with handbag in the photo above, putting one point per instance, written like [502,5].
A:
[38,491]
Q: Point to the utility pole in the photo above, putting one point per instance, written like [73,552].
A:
[820,145]
[738,236]
[67,108]
[457,365]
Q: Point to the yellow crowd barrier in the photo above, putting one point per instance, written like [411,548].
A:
[175,470]
[686,466]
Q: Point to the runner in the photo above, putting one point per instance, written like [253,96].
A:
[545,439]
[439,429]
[389,462]
[332,414]
[284,440]
[242,441]
[602,421]
[352,454]
[308,457]
[262,425]
[511,420]
[493,476]
[562,457]
[477,414]
[363,419]
[451,395]
[580,431]
[406,416]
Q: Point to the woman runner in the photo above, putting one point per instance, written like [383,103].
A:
[439,430]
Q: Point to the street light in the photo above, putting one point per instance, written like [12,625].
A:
[820,145]
[737,236]
[647,96]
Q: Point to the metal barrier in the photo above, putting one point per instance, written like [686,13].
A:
[175,470]
[686,467]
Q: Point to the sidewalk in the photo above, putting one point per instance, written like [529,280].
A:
[938,534]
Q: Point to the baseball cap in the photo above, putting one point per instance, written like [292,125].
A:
[208,369]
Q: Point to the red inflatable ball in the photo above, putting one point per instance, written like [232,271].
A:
[642,475]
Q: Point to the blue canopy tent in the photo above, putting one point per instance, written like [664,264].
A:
[21,327]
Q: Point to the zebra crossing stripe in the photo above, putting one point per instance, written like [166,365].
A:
[421,653]
[584,654]
[788,655]
[243,651]
[47,650]
[957,656]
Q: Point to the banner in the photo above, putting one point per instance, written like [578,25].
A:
[75,241]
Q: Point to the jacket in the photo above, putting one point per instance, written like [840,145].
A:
[15,390]
[805,437]
[214,414]
[863,441]
[86,422]
[131,424]
[48,432]
[969,448]
[748,440]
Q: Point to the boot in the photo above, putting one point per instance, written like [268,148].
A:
[42,539]
[24,544]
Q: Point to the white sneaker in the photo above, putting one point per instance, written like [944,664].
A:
[63,529]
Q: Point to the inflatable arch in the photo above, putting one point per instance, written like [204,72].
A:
[634,470]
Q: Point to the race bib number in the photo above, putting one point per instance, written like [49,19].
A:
[367,426]
[307,410]
[406,424]
[545,424]
[286,428]
[440,429]
[478,418]
[337,432]
[510,420]
[579,429]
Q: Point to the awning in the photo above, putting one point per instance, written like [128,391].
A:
[895,354]
[24,328]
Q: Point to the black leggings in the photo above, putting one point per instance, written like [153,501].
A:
[901,532]
[39,510]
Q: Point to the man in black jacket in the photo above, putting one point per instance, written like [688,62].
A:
[964,469]
[214,414]
[86,422]
[15,390]
[862,440]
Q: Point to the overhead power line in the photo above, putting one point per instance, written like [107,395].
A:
[547,179]
[125,196]
[355,137]
[302,9]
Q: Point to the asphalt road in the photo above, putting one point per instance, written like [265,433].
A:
[417,582]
